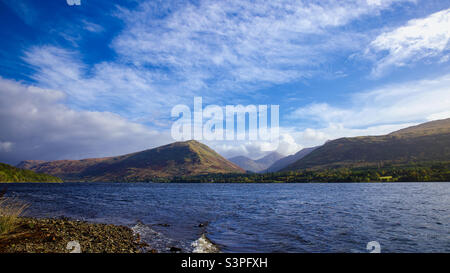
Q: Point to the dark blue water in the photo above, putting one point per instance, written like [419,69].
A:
[402,217]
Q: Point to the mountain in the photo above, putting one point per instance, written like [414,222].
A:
[176,159]
[9,173]
[28,164]
[426,143]
[269,159]
[286,161]
[245,163]
[256,165]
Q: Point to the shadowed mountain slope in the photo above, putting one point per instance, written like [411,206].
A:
[286,161]
[256,165]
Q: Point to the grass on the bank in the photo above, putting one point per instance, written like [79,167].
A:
[10,210]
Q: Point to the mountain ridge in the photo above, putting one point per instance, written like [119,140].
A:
[424,143]
[258,165]
[175,159]
[286,161]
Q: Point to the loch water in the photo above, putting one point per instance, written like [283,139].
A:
[315,217]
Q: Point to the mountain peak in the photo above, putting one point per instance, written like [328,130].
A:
[441,126]
[187,142]
[175,159]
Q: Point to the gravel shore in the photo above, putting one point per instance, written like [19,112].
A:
[53,236]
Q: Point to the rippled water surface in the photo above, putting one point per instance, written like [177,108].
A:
[402,217]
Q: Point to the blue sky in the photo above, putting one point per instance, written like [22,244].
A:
[101,78]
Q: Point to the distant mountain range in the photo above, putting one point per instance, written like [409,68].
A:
[176,159]
[9,173]
[288,160]
[422,144]
[259,165]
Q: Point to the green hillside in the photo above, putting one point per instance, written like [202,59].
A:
[9,173]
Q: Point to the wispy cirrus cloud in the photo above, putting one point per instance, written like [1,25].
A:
[239,43]
[419,39]
[25,10]
[92,27]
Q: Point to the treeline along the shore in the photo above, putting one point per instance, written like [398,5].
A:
[9,173]
[439,172]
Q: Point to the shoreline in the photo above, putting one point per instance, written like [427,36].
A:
[62,235]
[190,182]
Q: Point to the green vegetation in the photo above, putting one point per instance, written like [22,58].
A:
[438,172]
[9,173]
[10,210]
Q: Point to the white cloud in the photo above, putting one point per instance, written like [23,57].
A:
[313,137]
[376,112]
[439,115]
[251,149]
[6,146]
[321,112]
[287,145]
[92,27]
[398,103]
[257,149]
[418,39]
[40,126]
